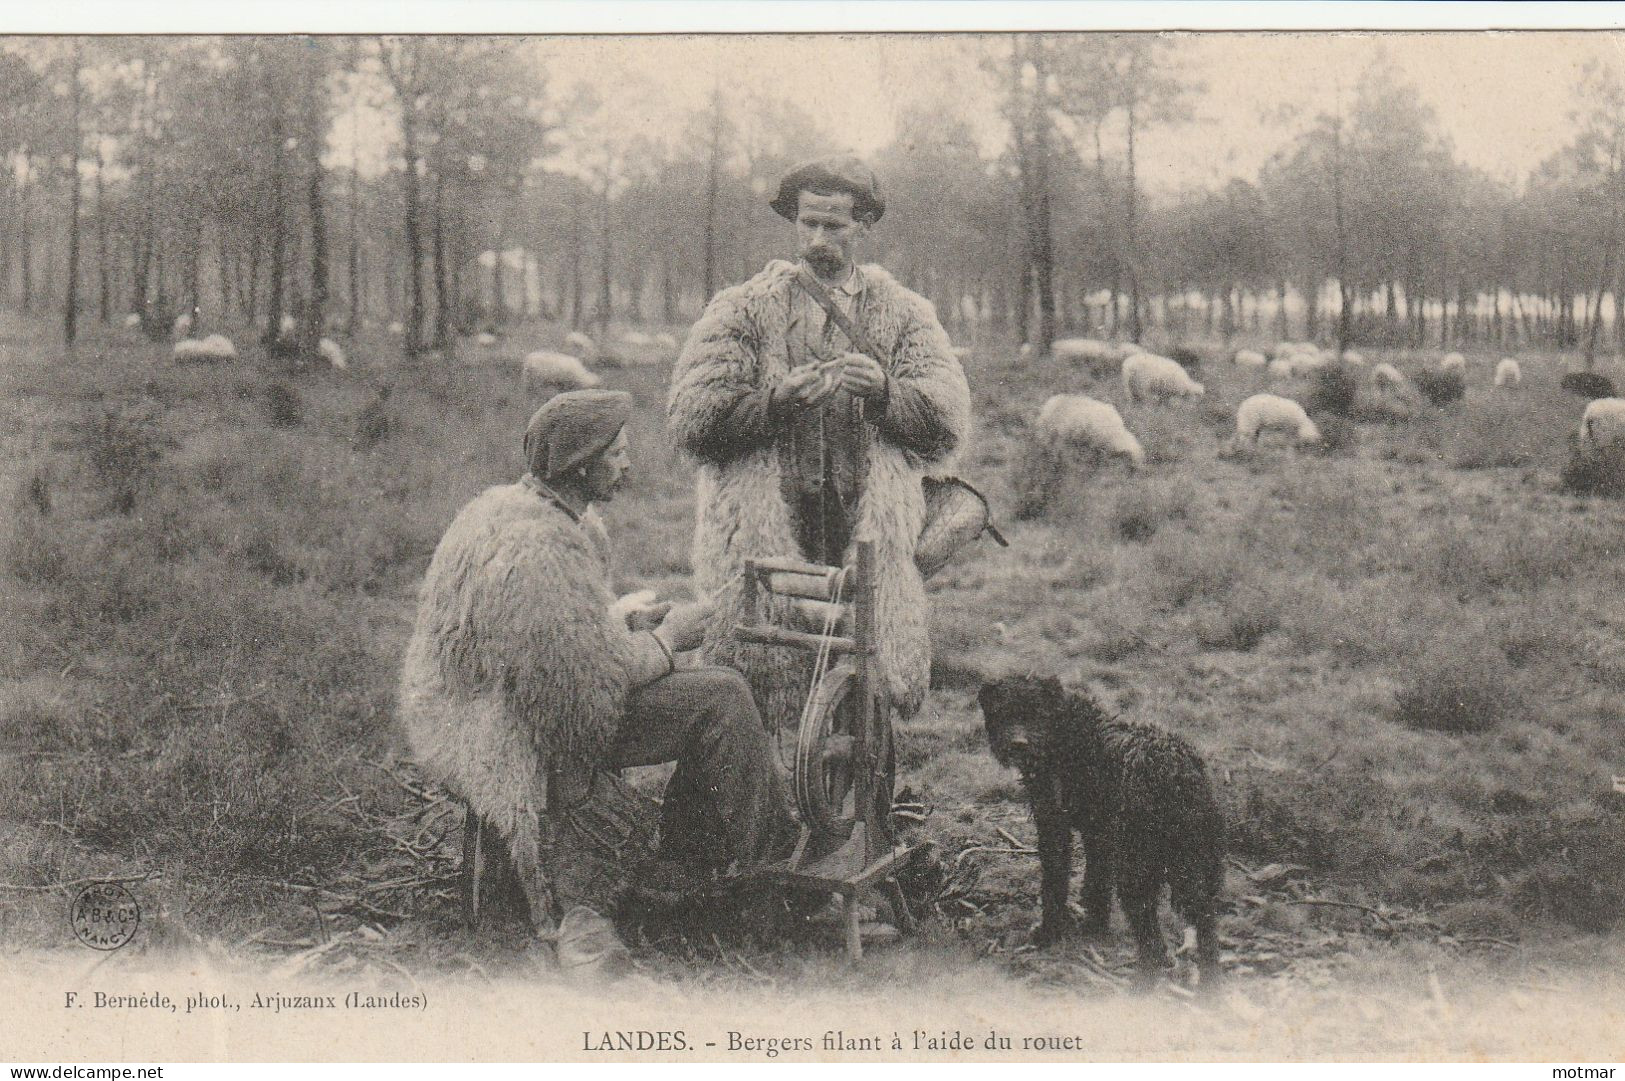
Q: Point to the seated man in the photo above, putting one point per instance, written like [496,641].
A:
[519,685]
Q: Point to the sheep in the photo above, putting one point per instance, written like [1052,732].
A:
[207,350]
[1351,357]
[1602,424]
[1281,368]
[1026,349]
[1588,384]
[1271,412]
[1508,373]
[665,340]
[485,337]
[1128,349]
[1146,375]
[1453,362]
[1249,358]
[132,320]
[287,326]
[183,325]
[636,337]
[1079,421]
[1386,377]
[545,369]
[396,329]
[1282,350]
[1306,362]
[1084,349]
[333,353]
[581,343]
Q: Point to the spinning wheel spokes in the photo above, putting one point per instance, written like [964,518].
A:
[823,769]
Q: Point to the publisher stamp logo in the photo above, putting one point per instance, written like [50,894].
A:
[104,915]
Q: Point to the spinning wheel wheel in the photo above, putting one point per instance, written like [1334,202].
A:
[844,752]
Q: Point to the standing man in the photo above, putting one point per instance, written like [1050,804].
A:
[805,443]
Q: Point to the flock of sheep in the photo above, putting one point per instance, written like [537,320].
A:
[548,371]
[1080,422]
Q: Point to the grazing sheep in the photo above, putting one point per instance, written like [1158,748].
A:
[1083,349]
[1386,377]
[1271,412]
[396,329]
[1507,373]
[183,324]
[215,347]
[1075,420]
[287,326]
[556,370]
[665,340]
[1282,350]
[1441,387]
[1453,362]
[1602,424]
[132,320]
[1139,797]
[1281,368]
[1249,358]
[636,337]
[581,343]
[1129,349]
[333,353]
[1588,384]
[1026,349]
[485,337]
[1146,375]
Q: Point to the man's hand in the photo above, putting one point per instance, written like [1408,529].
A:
[684,626]
[808,385]
[862,376]
[648,618]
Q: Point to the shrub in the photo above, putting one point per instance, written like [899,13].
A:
[1332,390]
[1588,385]
[1034,478]
[1600,472]
[122,448]
[284,406]
[1139,512]
[1241,621]
[1440,388]
[1452,689]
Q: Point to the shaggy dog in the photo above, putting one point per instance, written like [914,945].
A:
[1139,797]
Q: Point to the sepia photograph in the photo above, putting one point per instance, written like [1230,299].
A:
[1005,545]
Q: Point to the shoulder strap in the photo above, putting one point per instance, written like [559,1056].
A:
[815,289]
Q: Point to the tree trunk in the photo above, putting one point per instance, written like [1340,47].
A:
[353,322]
[70,307]
[27,242]
[316,309]
[279,229]
[102,268]
[577,285]
[712,182]
[1132,238]
[606,264]
[443,301]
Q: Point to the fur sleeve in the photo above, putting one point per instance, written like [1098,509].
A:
[718,372]
[928,411]
[526,613]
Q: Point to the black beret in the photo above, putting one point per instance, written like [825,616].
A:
[841,173]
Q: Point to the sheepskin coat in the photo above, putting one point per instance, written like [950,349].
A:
[515,665]
[739,345]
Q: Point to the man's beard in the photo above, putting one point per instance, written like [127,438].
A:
[825,261]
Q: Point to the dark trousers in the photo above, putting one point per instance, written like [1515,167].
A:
[725,803]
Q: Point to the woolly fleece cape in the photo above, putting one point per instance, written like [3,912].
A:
[739,345]
[515,664]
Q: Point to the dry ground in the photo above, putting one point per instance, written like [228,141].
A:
[1404,660]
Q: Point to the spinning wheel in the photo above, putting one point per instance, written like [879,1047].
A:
[843,766]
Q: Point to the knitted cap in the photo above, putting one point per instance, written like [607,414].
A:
[572,427]
[841,173]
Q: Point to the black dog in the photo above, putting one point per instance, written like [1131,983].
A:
[1137,794]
